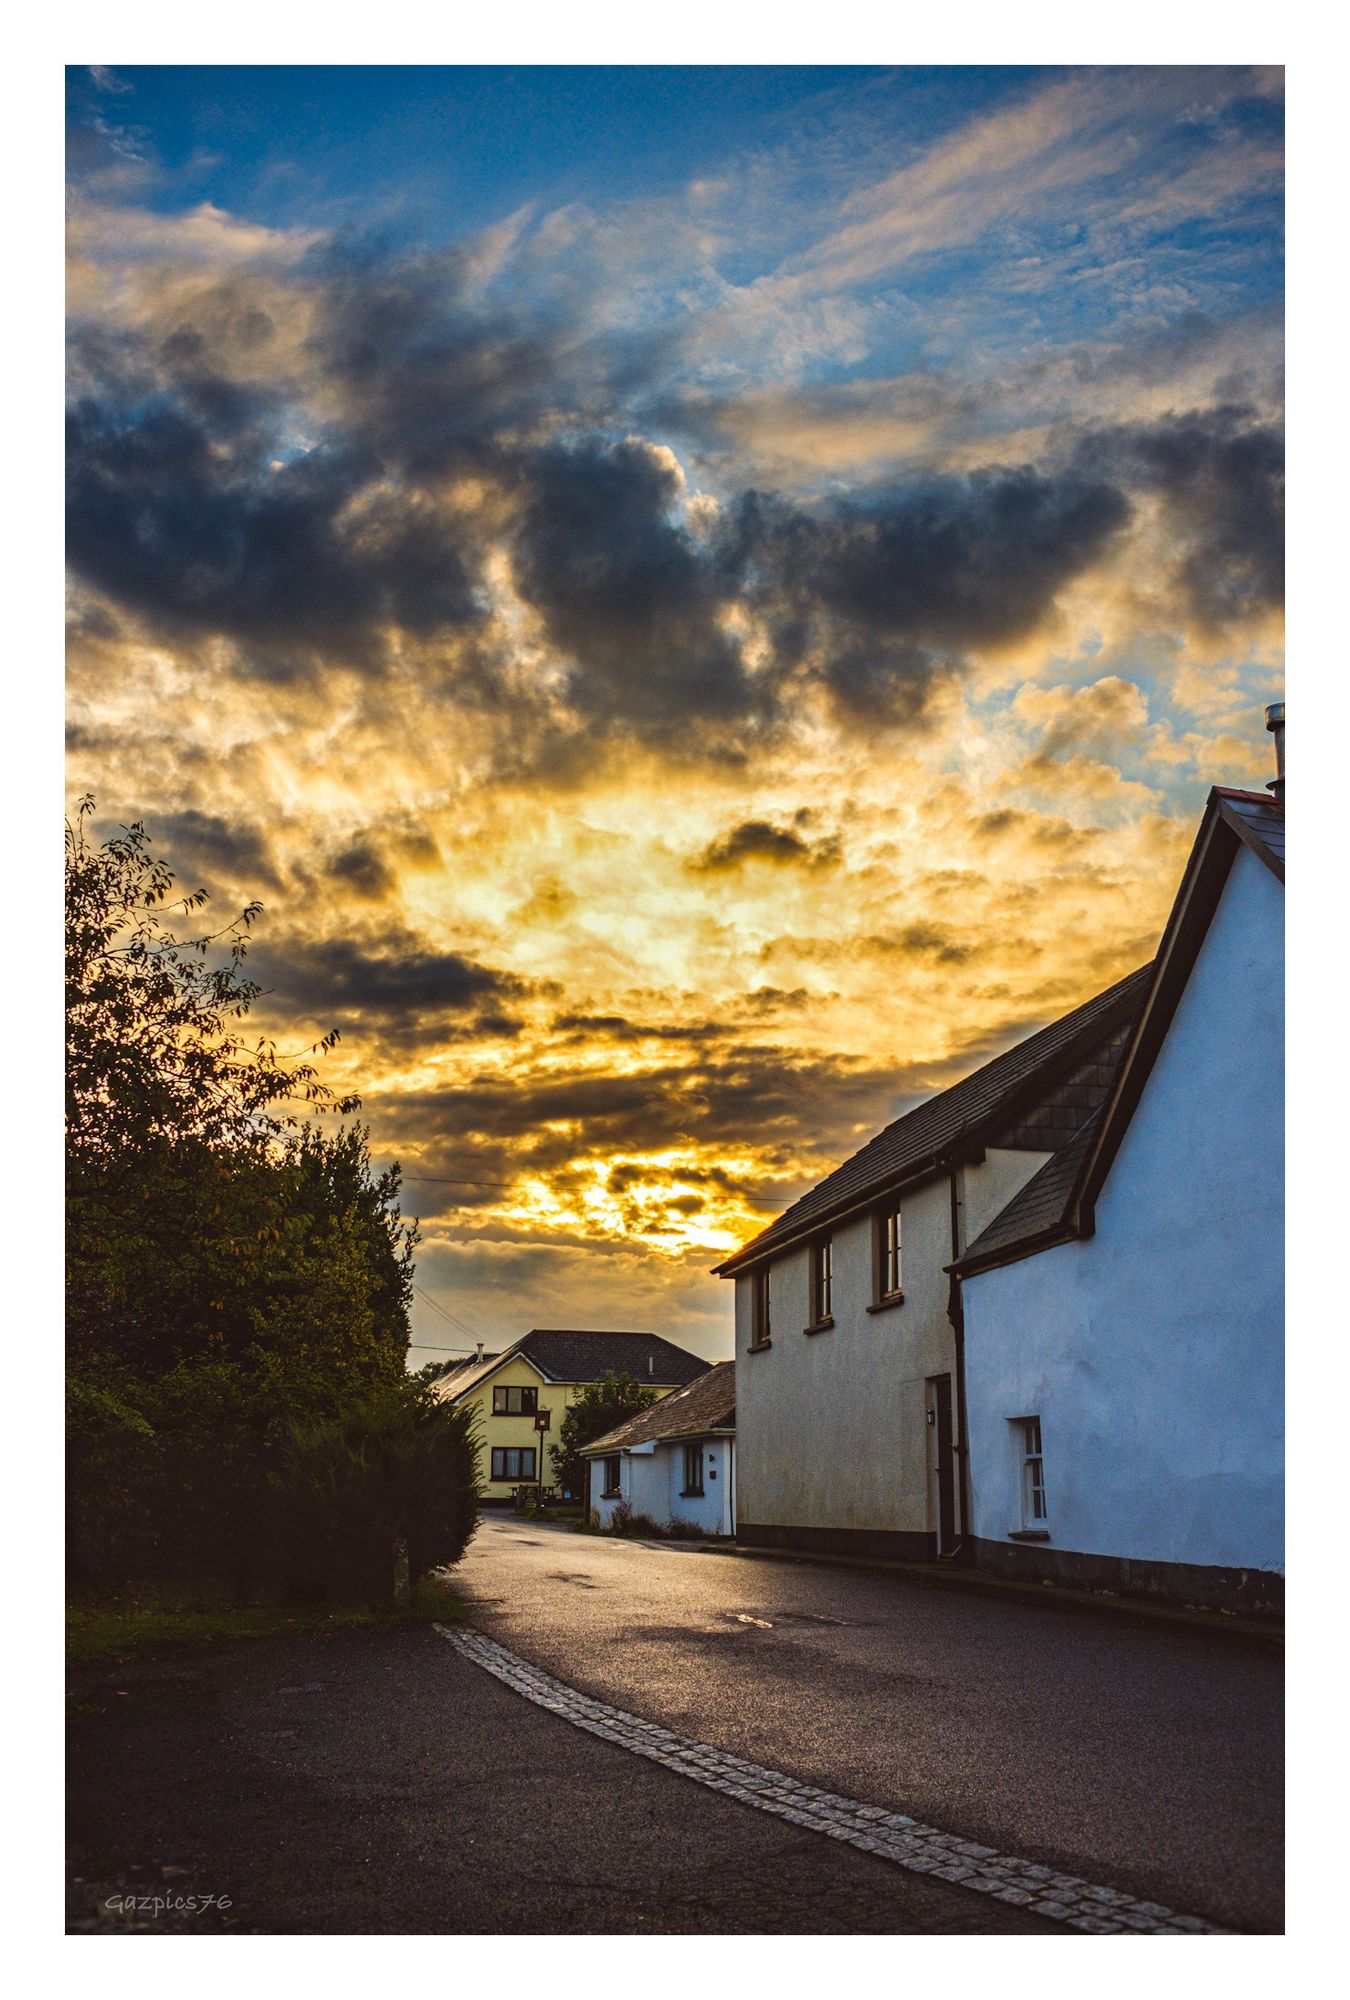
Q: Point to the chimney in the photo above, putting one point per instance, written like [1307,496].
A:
[1275,724]
[650,1369]
[480,1350]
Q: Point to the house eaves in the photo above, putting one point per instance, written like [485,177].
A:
[951,1128]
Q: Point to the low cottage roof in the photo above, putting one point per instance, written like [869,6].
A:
[708,1404]
[1035,1216]
[582,1354]
[970,1113]
[1058,1202]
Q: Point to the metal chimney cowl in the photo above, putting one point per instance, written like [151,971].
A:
[1275,724]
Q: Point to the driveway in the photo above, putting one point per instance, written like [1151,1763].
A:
[1140,1754]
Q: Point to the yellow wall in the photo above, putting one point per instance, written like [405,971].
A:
[553,1397]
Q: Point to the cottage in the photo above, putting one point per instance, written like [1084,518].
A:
[848,1349]
[674,1462]
[1123,1316]
[521,1394]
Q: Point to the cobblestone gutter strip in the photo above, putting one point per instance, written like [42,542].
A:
[924,1850]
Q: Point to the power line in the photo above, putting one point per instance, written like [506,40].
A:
[451,1319]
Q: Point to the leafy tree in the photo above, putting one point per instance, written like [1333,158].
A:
[205,1216]
[599,1407]
[154,1054]
[239,1280]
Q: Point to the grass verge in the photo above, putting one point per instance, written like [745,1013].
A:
[148,1618]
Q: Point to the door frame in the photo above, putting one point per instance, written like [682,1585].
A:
[942,1460]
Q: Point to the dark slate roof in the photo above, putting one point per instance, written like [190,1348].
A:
[970,1111]
[708,1404]
[580,1354]
[1259,820]
[1058,1201]
[1039,1211]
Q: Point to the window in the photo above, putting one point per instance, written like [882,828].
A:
[693,1468]
[822,1270]
[759,1306]
[1033,1511]
[610,1486]
[513,1461]
[514,1402]
[889,1269]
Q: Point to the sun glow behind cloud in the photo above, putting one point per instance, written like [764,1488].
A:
[687,674]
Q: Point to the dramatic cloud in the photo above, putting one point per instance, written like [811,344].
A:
[758,840]
[686,673]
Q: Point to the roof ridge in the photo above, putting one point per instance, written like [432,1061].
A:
[1025,1061]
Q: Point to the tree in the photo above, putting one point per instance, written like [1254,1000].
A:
[153,1052]
[599,1407]
[239,1280]
[205,1215]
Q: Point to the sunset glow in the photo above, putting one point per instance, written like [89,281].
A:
[700,622]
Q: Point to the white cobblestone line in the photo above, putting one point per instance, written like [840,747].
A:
[923,1850]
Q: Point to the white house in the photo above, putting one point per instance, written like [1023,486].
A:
[1123,1316]
[674,1462]
[849,1358]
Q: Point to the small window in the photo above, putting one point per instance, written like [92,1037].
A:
[513,1462]
[511,1402]
[759,1305]
[822,1280]
[693,1469]
[610,1487]
[1034,1512]
[890,1275]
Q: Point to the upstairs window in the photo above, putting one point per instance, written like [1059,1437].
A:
[513,1402]
[759,1306]
[822,1280]
[693,1469]
[1030,1474]
[890,1268]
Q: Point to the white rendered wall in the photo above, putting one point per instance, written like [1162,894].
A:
[1153,1351]
[651,1481]
[831,1428]
[710,1510]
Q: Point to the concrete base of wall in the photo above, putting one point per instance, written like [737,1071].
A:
[890,1544]
[1257,1592]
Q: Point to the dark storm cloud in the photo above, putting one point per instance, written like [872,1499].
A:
[760,840]
[364,869]
[429,385]
[187,504]
[885,596]
[391,984]
[210,508]
[224,848]
[1220,476]
[625,592]
[787,1100]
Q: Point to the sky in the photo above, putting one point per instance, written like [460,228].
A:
[705,603]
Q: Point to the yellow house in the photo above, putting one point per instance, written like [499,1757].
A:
[521,1395]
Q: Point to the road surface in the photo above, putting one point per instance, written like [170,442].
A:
[374,1782]
[1140,1754]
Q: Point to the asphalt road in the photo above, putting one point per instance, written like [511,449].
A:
[1138,1754]
[376,1782]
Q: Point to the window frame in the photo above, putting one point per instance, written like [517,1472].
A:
[690,1491]
[608,1492]
[527,1392]
[888,1254]
[1032,1505]
[501,1452]
[821,1280]
[761,1307]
